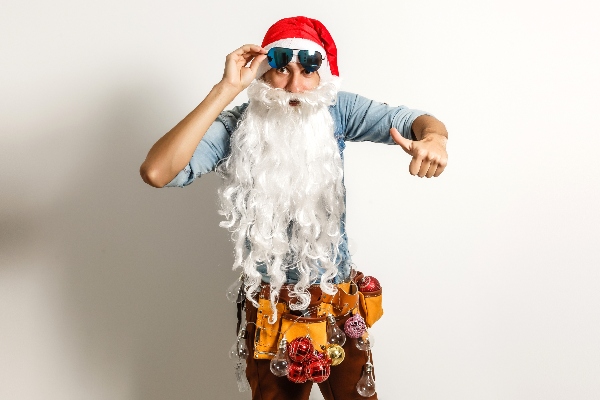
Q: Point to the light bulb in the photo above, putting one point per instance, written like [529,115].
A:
[240,376]
[238,350]
[280,363]
[365,342]
[366,384]
[334,334]
[233,291]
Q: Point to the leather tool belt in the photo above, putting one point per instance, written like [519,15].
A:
[290,324]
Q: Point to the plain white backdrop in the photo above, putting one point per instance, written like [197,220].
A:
[110,289]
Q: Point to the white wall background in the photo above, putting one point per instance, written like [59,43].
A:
[110,289]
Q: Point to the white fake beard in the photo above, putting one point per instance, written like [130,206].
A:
[283,196]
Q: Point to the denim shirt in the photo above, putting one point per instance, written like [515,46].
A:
[355,118]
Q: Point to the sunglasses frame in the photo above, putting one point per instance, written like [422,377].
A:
[301,56]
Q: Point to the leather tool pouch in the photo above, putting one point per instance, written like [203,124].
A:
[265,340]
[293,326]
[344,301]
[371,308]
[287,325]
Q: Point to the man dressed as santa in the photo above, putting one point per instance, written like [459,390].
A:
[283,199]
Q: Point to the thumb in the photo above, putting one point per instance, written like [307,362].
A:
[406,144]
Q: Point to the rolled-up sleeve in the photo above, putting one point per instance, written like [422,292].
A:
[213,147]
[368,120]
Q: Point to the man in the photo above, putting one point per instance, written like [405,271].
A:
[283,196]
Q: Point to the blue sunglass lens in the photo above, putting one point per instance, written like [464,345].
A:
[279,57]
[310,62]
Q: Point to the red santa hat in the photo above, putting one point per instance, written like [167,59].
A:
[304,34]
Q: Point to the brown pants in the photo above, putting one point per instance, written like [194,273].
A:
[341,384]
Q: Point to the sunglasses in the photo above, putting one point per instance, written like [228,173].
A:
[279,57]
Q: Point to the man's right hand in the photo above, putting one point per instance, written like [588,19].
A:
[173,151]
[238,73]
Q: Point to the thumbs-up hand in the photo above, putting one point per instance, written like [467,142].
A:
[429,156]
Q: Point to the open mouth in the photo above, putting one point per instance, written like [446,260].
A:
[294,102]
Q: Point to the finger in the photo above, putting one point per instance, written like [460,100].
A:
[244,54]
[431,171]
[246,51]
[406,144]
[249,48]
[244,59]
[256,62]
[248,72]
[425,164]
[415,165]
[441,167]
[434,163]
[249,56]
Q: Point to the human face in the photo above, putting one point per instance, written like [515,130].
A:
[292,78]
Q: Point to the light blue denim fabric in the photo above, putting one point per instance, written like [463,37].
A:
[356,119]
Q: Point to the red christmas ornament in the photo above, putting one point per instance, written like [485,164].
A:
[318,369]
[368,284]
[297,372]
[300,349]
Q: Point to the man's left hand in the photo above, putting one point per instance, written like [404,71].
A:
[429,156]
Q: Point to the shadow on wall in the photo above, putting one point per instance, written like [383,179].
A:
[142,271]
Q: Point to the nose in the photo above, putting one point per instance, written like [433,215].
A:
[294,84]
